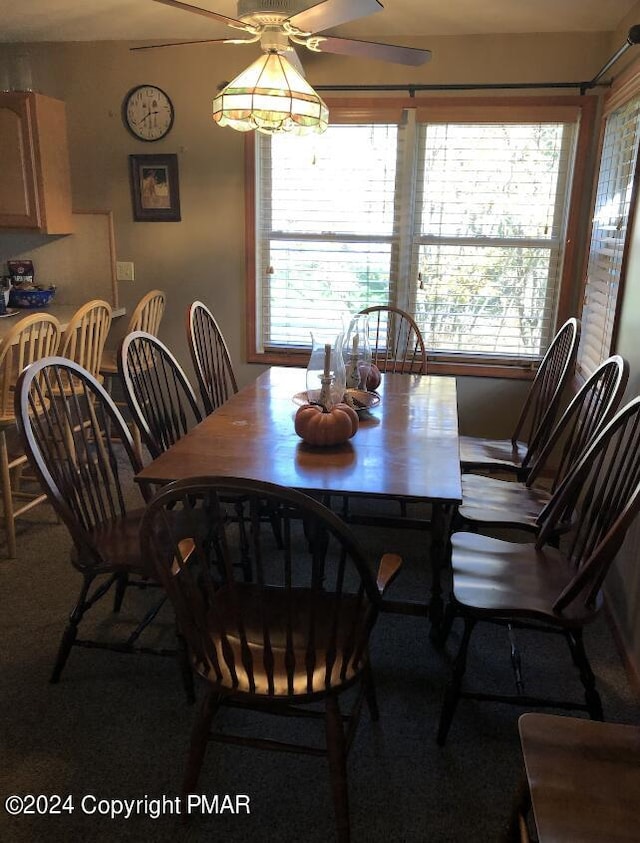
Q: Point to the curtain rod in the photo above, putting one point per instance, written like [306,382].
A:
[633,38]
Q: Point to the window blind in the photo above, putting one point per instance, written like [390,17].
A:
[609,234]
[492,206]
[326,229]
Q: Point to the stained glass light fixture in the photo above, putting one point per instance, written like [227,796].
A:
[271,96]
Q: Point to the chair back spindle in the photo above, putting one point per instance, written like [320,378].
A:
[148,313]
[591,408]
[396,341]
[158,393]
[540,410]
[68,422]
[297,623]
[603,490]
[86,334]
[210,356]
[32,338]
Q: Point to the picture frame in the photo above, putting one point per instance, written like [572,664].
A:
[155,188]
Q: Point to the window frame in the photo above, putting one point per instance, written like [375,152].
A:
[625,88]
[471,109]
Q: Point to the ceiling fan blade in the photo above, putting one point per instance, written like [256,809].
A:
[330,13]
[184,43]
[186,7]
[371,50]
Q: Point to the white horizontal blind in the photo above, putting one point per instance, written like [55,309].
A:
[491,213]
[326,229]
[609,233]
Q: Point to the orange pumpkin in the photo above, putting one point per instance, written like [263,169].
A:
[323,428]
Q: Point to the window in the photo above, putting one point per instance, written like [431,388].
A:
[457,216]
[493,201]
[613,203]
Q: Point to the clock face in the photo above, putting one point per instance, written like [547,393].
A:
[147,112]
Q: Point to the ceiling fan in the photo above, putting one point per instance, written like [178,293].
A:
[277,24]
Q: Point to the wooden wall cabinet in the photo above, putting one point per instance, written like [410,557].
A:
[35,183]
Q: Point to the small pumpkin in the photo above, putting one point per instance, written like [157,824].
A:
[317,426]
[373,378]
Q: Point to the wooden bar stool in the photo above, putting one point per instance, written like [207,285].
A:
[583,779]
[86,334]
[146,316]
[32,338]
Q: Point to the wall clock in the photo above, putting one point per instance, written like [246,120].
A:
[147,112]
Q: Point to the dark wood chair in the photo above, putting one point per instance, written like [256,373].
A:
[160,398]
[538,414]
[493,502]
[65,418]
[294,632]
[211,358]
[583,779]
[396,341]
[541,586]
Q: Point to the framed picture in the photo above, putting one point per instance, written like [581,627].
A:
[155,191]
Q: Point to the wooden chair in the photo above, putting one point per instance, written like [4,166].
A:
[33,337]
[162,402]
[492,502]
[293,632]
[65,417]
[583,779]
[159,396]
[537,416]
[85,336]
[146,316]
[541,586]
[396,341]
[211,358]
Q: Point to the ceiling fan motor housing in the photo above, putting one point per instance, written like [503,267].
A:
[269,12]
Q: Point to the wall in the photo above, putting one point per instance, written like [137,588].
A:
[203,256]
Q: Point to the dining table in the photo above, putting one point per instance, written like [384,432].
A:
[406,449]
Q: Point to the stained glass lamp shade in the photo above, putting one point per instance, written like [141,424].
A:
[271,96]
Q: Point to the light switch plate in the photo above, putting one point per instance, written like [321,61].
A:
[125,271]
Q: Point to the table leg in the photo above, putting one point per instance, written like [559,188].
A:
[440,514]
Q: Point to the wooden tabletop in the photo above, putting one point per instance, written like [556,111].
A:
[584,778]
[407,448]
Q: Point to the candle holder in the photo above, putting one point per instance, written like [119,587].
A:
[356,352]
[325,371]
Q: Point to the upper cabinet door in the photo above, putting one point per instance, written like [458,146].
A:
[35,185]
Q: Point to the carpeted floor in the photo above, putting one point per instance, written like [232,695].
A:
[117,726]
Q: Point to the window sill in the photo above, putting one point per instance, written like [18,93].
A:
[457,368]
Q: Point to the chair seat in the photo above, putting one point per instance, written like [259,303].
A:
[584,778]
[491,501]
[510,579]
[270,609]
[119,544]
[108,364]
[491,453]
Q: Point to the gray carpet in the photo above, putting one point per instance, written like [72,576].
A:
[117,726]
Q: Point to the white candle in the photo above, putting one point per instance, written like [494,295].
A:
[355,344]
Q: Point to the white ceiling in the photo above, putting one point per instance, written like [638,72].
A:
[104,20]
